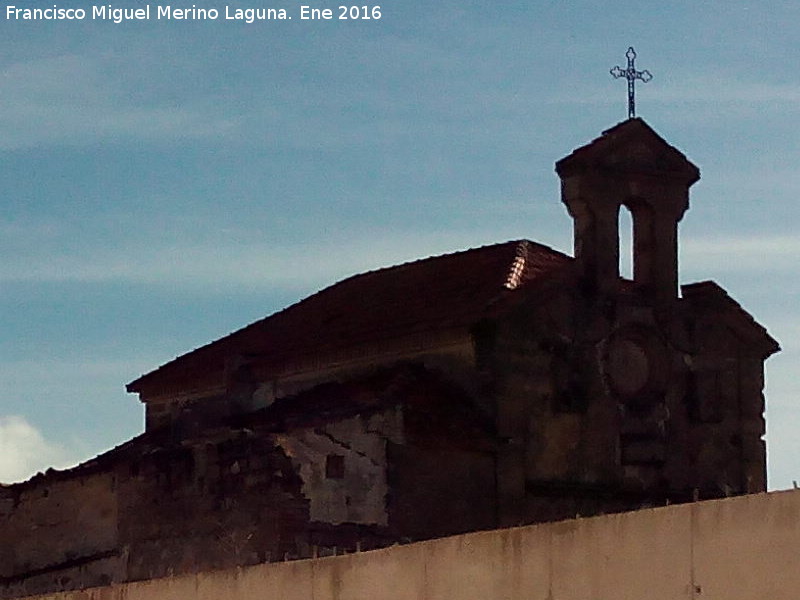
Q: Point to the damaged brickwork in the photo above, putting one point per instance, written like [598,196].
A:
[308,476]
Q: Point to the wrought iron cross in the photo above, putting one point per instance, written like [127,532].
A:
[631,74]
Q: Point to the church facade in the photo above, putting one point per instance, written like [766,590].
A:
[502,385]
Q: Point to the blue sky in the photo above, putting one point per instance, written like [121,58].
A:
[165,183]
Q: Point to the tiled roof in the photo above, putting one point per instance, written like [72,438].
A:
[428,295]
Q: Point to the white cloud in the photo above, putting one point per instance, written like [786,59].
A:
[24,451]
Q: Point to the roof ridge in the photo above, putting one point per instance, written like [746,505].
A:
[368,273]
[517,267]
[527,244]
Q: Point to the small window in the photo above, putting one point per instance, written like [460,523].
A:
[334,466]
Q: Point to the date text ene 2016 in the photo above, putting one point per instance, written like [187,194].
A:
[344,13]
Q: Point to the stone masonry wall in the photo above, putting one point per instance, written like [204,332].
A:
[210,504]
[168,509]
[59,533]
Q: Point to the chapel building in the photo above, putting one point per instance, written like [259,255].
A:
[502,385]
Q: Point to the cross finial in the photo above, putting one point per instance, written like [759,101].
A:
[631,74]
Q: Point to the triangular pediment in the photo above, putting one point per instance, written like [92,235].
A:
[630,147]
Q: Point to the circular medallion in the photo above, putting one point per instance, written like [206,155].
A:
[635,365]
[627,367]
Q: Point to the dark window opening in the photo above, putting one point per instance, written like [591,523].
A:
[334,466]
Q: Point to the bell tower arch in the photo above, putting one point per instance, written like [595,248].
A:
[629,166]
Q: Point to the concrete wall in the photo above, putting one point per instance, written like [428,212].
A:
[744,548]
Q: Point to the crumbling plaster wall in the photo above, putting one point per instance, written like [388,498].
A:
[356,492]
[208,503]
[59,533]
[190,498]
[211,503]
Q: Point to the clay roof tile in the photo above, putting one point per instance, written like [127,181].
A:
[426,295]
